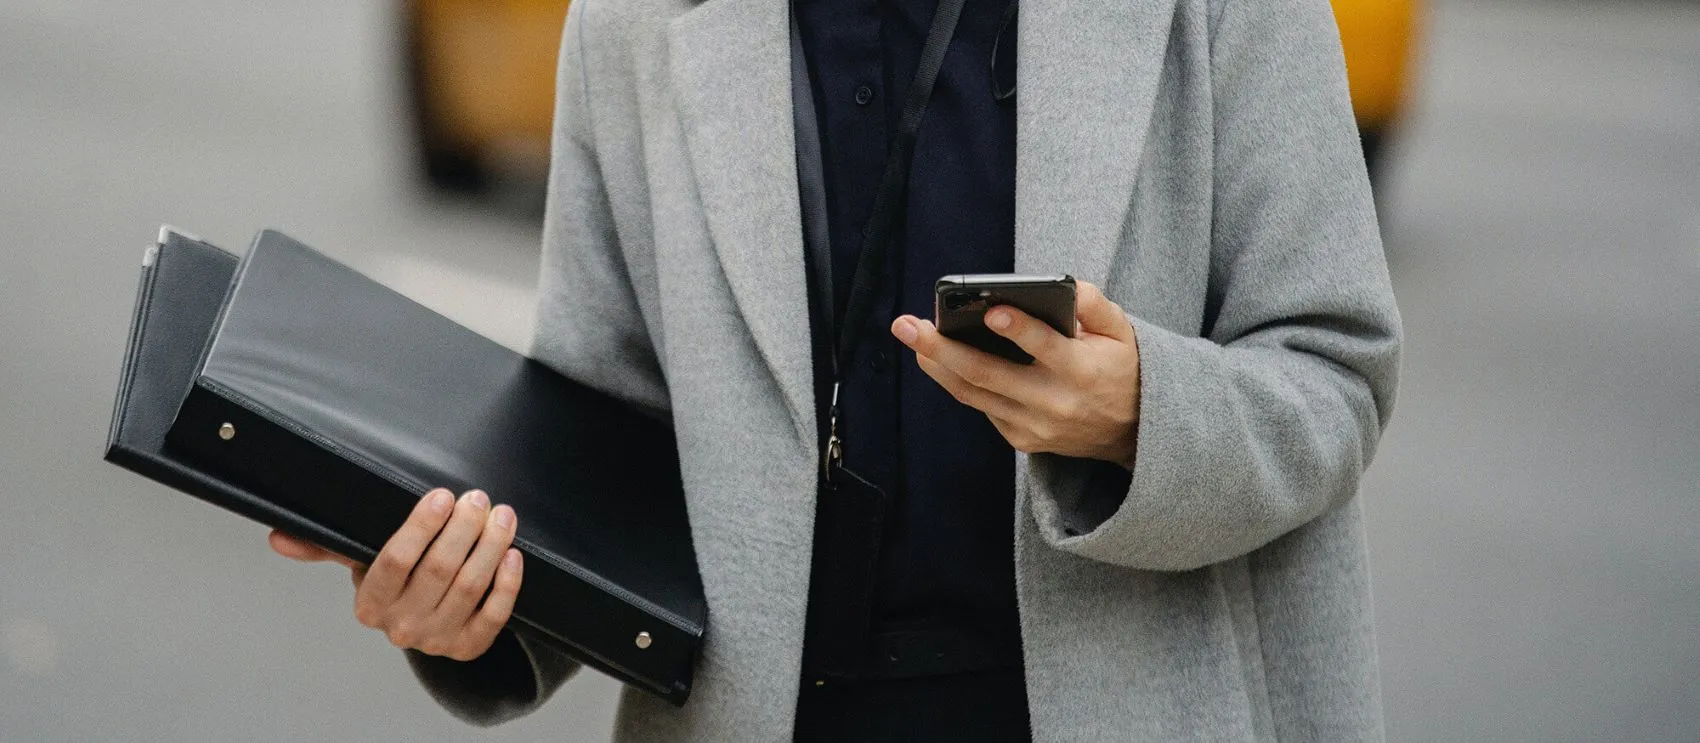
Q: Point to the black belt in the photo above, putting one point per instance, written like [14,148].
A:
[936,652]
[924,652]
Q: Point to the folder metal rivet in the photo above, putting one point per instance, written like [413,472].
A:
[644,640]
[227,432]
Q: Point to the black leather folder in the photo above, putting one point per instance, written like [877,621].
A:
[182,290]
[295,391]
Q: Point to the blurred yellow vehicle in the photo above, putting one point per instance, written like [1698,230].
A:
[481,85]
[481,79]
[1379,36]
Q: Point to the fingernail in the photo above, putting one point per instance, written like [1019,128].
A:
[440,500]
[997,320]
[511,560]
[505,517]
[905,331]
[478,499]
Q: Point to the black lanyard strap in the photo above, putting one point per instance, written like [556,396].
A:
[894,182]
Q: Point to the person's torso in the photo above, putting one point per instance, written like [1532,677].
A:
[691,123]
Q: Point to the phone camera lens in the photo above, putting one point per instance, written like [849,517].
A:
[959,300]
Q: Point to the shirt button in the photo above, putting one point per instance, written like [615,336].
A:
[863,95]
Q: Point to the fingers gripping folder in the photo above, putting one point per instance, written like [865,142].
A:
[292,390]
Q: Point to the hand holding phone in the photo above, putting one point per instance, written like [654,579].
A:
[1083,397]
[960,302]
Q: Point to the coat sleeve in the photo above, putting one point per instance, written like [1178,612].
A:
[590,328]
[511,680]
[1269,419]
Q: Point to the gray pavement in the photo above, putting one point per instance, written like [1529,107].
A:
[1533,511]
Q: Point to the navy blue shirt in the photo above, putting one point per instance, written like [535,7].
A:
[945,556]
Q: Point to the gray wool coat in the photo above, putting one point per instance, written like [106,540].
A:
[1198,160]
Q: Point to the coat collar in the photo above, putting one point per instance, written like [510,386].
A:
[1087,78]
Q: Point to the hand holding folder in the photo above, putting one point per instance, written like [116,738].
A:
[292,390]
[445,582]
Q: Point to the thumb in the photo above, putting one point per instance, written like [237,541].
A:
[1099,316]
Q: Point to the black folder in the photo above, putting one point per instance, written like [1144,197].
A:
[294,391]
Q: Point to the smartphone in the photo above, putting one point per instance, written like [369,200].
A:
[960,302]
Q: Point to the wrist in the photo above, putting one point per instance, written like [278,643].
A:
[1128,452]
[1124,451]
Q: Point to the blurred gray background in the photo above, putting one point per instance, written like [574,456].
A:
[1533,511]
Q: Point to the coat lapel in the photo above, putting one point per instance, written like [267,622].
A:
[1087,75]
[1087,81]
[731,68]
